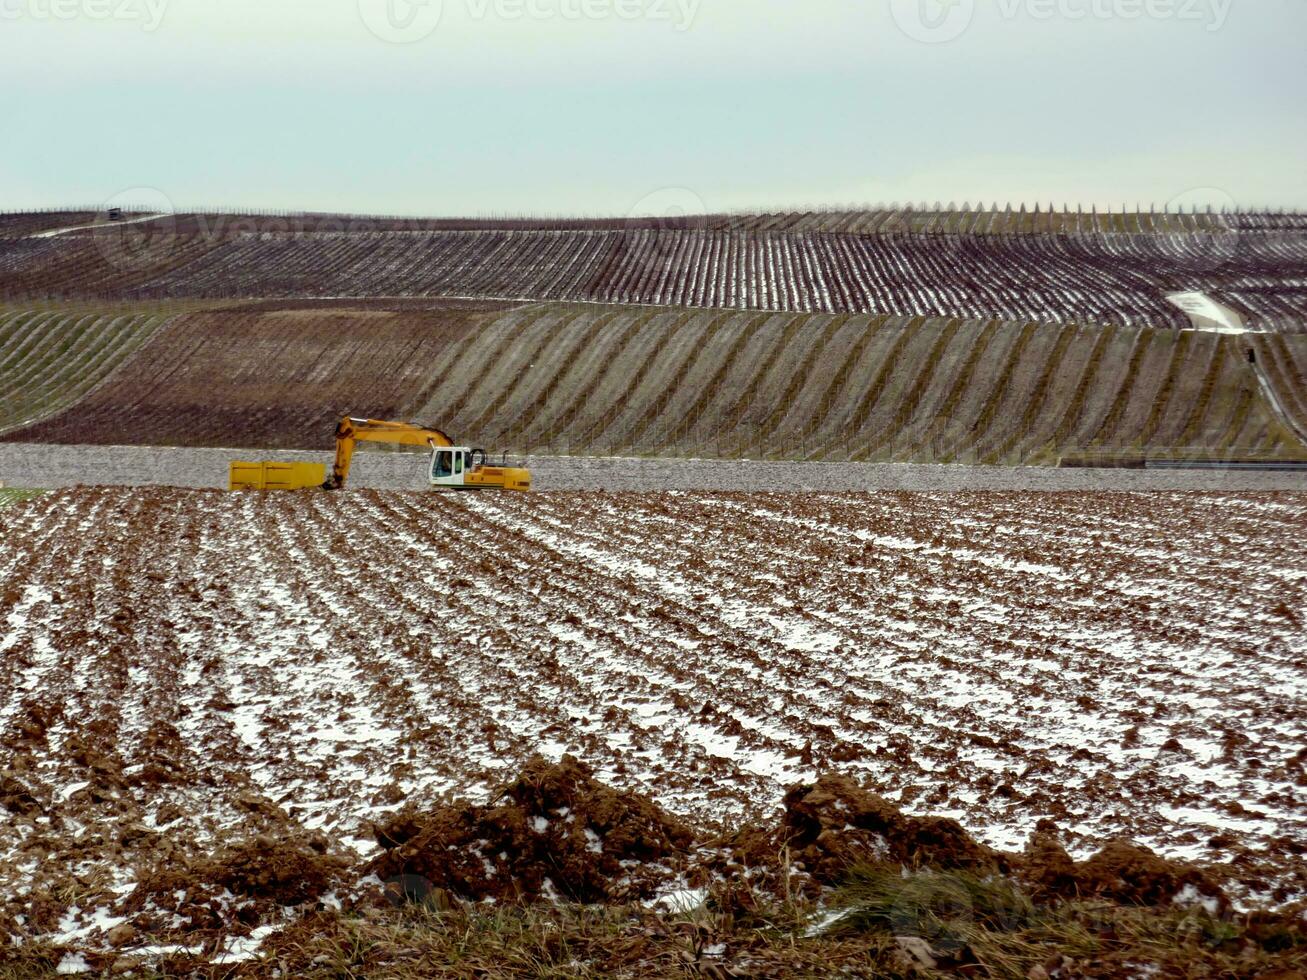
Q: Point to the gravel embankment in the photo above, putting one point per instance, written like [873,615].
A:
[32,465]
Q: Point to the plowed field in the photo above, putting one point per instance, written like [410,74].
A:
[185,667]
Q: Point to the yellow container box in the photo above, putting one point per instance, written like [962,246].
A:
[276,476]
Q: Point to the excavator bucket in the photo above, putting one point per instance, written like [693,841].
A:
[276,476]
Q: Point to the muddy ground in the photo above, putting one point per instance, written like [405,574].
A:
[48,465]
[195,678]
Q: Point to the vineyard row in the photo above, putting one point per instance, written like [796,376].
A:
[1121,279]
[579,378]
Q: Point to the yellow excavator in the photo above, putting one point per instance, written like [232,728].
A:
[452,467]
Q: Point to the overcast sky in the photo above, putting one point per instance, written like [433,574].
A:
[655,106]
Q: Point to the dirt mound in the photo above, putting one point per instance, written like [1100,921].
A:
[289,871]
[18,797]
[832,824]
[262,874]
[31,722]
[1046,868]
[1122,871]
[554,830]
[1133,875]
[557,831]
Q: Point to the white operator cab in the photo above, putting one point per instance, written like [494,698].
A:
[450,466]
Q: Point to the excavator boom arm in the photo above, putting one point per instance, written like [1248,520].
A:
[350,431]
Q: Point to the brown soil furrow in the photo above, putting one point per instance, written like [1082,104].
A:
[884,400]
[609,619]
[501,387]
[838,392]
[980,427]
[586,375]
[695,624]
[590,601]
[723,682]
[916,438]
[1105,429]
[1038,400]
[744,412]
[1053,609]
[952,407]
[657,407]
[1066,558]
[224,665]
[1162,396]
[532,401]
[410,677]
[785,543]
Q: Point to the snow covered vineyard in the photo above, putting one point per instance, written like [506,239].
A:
[184,667]
[1045,267]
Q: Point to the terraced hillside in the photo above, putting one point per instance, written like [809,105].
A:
[590,379]
[267,377]
[49,359]
[1046,266]
[1283,362]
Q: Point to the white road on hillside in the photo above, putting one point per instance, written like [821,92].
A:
[55,232]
